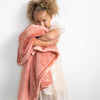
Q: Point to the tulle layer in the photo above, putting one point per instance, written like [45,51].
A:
[57,95]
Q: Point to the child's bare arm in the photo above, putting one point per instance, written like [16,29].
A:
[51,35]
[43,43]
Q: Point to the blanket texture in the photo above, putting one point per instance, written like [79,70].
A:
[36,62]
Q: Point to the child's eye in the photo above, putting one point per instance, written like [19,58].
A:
[37,22]
[44,20]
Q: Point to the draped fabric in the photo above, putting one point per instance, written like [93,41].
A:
[36,61]
[58,89]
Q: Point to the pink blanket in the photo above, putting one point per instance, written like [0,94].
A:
[36,62]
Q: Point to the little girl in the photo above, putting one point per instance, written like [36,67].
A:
[40,12]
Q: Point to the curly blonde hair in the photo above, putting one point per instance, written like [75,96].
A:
[39,5]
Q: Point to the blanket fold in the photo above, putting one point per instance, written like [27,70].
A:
[36,62]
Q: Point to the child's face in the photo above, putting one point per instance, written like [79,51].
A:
[42,18]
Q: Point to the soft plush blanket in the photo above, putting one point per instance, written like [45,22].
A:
[36,62]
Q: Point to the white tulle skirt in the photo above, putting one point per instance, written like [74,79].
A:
[57,90]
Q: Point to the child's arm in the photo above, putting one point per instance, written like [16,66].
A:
[43,43]
[49,36]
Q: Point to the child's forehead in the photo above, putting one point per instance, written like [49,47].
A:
[41,15]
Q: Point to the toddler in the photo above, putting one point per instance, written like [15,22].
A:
[40,12]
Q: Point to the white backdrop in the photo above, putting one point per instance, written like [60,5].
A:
[79,46]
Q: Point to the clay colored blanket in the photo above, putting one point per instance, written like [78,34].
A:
[36,62]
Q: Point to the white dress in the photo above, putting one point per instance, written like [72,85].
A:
[57,90]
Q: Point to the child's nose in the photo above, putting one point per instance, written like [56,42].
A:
[42,24]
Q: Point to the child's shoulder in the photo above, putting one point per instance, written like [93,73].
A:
[57,25]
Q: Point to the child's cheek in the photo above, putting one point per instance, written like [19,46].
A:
[47,25]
